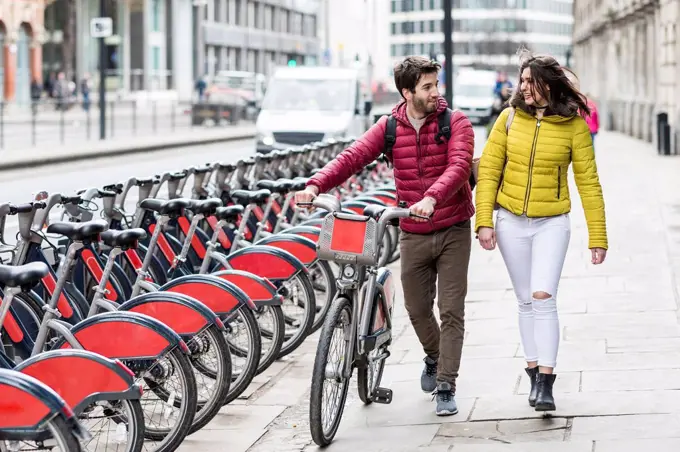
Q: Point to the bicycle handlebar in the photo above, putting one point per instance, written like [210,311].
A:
[26,208]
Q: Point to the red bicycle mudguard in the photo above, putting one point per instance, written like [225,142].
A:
[307,232]
[300,247]
[124,335]
[82,378]
[182,313]
[220,296]
[26,402]
[268,262]
[259,290]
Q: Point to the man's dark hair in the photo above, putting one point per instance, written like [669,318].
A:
[407,74]
[563,97]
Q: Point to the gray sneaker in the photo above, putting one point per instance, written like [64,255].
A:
[446,404]
[428,379]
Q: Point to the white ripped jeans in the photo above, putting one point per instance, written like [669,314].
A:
[534,250]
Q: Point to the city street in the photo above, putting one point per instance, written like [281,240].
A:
[619,364]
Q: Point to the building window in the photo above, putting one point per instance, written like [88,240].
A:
[237,12]
[156,58]
[268,17]
[284,20]
[251,14]
[156,15]
[217,11]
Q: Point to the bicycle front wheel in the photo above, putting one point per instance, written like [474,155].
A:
[329,386]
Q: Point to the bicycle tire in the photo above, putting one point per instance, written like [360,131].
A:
[207,411]
[363,381]
[135,419]
[63,434]
[173,439]
[396,251]
[329,276]
[310,313]
[242,382]
[385,256]
[340,305]
[278,336]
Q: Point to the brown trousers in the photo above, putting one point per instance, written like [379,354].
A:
[427,261]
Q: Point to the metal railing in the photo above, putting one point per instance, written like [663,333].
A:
[49,122]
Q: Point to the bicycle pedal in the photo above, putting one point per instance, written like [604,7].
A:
[382,395]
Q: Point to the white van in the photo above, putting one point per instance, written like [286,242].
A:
[307,104]
[473,94]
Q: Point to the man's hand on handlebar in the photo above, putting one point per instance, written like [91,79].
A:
[305,197]
[423,210]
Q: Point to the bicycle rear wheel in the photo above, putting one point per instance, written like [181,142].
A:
[60,438]
[324,423]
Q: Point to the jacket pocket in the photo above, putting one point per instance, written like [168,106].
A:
[559,181]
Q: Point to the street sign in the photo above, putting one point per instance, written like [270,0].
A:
[101,27]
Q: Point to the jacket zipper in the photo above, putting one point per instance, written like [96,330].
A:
[559,180]
[420,169]
[531,166]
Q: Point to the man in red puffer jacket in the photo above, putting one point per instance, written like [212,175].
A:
[432,179]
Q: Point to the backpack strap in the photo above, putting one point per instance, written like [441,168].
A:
[508,122]
[444,121]
[390,137]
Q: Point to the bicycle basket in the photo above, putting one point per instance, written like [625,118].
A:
[348,239]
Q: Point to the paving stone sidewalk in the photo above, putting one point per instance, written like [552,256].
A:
[619,365]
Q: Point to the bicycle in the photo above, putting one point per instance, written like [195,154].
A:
[363,308]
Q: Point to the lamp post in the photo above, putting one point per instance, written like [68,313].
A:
[448,51]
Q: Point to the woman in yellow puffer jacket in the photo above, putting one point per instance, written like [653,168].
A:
[523,174]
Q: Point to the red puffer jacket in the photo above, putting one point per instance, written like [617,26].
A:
[421,166]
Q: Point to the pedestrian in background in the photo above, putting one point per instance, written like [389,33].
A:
[592,118]
[431,177]
[523,171]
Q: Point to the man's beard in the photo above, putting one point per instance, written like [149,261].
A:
[423,107]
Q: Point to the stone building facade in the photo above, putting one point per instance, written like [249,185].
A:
[626,57]
[21,38]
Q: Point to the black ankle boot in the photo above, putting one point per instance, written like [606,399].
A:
[532,372]
[544,392]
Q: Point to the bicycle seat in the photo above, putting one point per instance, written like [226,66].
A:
[148,181]
[106,194]
[171,207]
[203,169]
[266,184]
[226,166]
[284,153]
[266,157]
[314,171]
[206,207]
[23,275]
[177,176]
[283,186]
[78,231]
[245,197]
[374,211]
[125,239]
[371,166]
[229,213]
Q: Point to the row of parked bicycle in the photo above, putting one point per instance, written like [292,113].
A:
[132,330]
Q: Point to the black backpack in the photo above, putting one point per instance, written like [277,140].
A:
[444,124]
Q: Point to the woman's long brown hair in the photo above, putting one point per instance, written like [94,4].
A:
[550,81]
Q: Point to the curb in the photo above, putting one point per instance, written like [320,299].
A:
[117,151]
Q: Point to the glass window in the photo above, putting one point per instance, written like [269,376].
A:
[309,95]
[156,15]
[156,57]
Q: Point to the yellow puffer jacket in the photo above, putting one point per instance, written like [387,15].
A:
[534,181]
